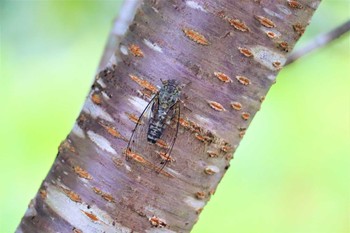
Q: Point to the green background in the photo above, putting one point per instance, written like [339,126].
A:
[290,173]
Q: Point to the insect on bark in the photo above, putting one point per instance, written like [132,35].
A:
[154,138]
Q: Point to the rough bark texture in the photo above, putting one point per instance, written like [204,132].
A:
[120,27]
[227,53]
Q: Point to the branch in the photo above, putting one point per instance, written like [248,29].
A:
[120,27]
[319,42]
[226,64]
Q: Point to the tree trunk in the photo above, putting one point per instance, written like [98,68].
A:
[226,55]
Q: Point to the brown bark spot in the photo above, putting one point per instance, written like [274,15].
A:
[144,83]
[138,158]
[265,21]
[221,14]
[209,171]
[157,222]
[216,106]
[108,197]
[97,190]
[199,137]
[117,161]
[284,46]
[43,193]
[111,130]
[236,106]
[227,148]
[299,29]
[184,123]
[245,115]
[239,25]
[277,65]
[146,93]
[82,173]
[82,118]
[67,145]
[72,195]
[195,127]
[212,192]
[262,98]
[243,80]
[212,154]
[242,133]
[198,211]
[200,195]
[134,118]
[294,4]
[208,138]
[135,50]
[75,230]
[271,35]
[165,156]
[223,77]
[96,98]
[92,217]
[195,36]
[228,157]
[246,52]
[162,144]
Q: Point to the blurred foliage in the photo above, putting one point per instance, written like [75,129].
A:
[290,173]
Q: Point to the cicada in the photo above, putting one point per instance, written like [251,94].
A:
[155,133]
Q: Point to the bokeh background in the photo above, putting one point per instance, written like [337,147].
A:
[290,173]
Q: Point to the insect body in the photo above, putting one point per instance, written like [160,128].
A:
[168,96]
[161,121]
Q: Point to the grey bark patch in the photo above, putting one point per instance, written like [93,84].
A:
[265,56]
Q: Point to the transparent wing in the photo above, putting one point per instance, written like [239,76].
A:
[154,156]
[139,151]
[168,138]
[138,140]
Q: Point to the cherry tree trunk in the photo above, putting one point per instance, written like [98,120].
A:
[225,54]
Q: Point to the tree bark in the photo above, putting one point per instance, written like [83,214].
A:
[227,55]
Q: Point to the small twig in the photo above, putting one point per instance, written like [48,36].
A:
[319,42]
[119,28]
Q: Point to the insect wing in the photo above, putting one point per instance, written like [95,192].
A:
[139,149]
[167,140]
[138,141]
[154,156]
